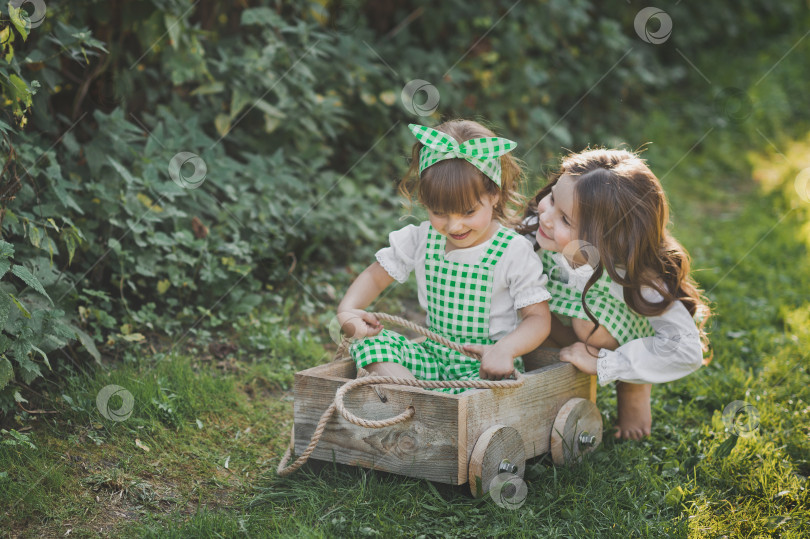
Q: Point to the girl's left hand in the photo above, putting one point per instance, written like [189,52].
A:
[578,355]
[497,362]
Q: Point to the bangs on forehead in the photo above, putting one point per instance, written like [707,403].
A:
[452,186]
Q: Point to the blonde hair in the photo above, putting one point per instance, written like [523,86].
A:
[456,186]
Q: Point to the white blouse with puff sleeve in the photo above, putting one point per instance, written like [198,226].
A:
[518,279]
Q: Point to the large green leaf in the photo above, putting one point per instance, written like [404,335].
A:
[20,306]
[5,308]
[19,90]
[19,19]
[122,170]
[6,372]
[6,249]
[44,356]
[87,342]
[173,28]
[29,371]
[29,279]
[65,198]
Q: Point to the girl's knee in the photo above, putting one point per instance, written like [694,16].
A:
[388,368]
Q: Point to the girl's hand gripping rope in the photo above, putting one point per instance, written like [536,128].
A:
[357,323]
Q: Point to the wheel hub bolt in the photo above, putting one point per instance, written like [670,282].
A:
[587,439]
[507,467]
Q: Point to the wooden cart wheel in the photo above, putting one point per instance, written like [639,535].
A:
[577,430]
[498,450]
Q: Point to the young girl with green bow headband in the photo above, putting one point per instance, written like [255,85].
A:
[480,282]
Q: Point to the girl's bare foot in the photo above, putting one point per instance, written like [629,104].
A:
[635,416]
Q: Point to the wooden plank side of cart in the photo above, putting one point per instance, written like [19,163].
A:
[530,409]
[426,446]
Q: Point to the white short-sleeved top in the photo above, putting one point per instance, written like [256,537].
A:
[518,279]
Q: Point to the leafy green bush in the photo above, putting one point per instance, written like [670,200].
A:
[168,166]
[33,325]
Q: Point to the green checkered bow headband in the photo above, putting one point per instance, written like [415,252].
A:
[483,153]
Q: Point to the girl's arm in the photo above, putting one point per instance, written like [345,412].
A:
[584,353]
[354,320]
[497,360]
[674,352]
[530,333]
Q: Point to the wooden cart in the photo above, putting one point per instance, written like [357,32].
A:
[471,437]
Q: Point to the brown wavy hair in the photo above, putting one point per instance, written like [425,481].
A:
[623,212]
[455,186]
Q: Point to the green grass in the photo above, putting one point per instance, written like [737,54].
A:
[736,210]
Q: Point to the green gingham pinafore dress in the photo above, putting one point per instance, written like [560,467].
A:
[458,304]
[615,315]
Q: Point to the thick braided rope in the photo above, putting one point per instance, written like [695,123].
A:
[408,413]
[284,470]
[427,333]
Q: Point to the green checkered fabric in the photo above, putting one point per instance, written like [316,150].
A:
[616,316]
[427,360]
[483,153]
[458,294]
[458,297]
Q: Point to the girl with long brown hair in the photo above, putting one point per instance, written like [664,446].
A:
[479,281]
[625,306]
